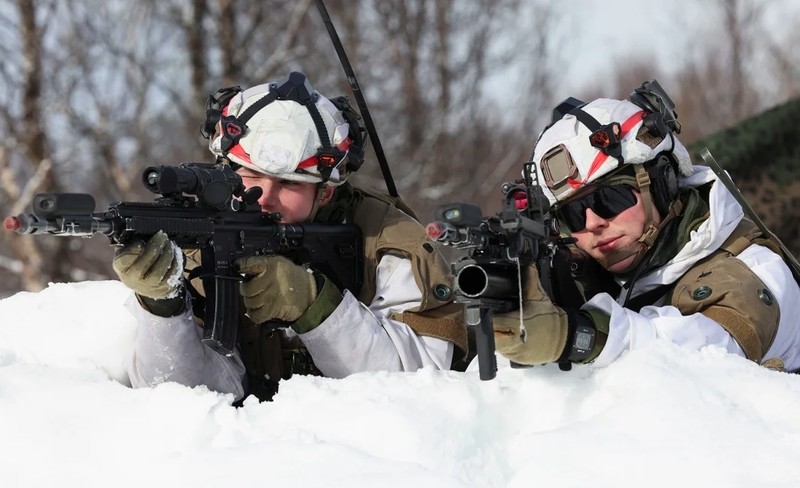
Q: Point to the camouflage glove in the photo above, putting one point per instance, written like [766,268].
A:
[279,289]
[153,269]
[546,327]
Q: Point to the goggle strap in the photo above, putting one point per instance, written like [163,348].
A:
[327,156]
[322,131]
[584,118]
[254,108]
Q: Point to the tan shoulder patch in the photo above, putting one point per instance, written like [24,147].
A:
[388,230]
[725,290]
[406,236]
[445,322]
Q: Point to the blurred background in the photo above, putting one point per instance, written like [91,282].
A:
[92,91]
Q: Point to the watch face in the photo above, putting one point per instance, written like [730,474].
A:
[582,343]
[583,340]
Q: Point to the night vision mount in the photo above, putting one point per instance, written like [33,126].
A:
[661,118]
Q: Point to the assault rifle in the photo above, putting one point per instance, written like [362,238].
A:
[205,207]
[488,280]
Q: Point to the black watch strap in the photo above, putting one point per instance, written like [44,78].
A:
[583,338]
[580,339]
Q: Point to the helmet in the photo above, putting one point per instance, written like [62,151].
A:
[285,129]
[597,139]
[593,144]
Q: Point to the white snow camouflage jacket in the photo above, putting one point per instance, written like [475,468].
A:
[629,329]
[354,338]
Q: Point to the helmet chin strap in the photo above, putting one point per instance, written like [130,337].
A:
[651,231]
[321,189]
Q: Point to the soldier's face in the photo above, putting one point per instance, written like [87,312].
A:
[294,200]
[601,237]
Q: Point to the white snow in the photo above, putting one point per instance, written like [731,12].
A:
[659,416]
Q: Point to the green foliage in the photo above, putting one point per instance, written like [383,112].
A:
[767,142]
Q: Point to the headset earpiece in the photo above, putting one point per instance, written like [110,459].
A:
[355,157]
[663,182]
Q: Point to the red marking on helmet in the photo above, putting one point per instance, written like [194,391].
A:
[240,153]
[309,162]
[601,157]
[313,161]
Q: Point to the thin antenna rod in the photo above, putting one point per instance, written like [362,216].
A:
[362,103]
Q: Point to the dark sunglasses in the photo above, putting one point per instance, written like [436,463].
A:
[606,202]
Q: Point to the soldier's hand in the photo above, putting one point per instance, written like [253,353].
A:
[152,269]
[546,327]
[276,288]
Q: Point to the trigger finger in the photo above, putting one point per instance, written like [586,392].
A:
[251,265]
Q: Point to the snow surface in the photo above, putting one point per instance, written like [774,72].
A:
[659,416]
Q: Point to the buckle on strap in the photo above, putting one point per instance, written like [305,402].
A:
[232,130]
[642,178]
[649,236]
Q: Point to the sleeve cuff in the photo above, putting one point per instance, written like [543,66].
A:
[167,307]
[327,300]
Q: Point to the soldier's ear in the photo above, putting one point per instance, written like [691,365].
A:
[325,194]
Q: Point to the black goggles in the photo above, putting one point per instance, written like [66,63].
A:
[606,202]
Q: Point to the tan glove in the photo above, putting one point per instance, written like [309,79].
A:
[277,288]
[151,269]
[546,327]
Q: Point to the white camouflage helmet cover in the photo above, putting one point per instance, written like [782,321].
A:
[591,163]
[281,139]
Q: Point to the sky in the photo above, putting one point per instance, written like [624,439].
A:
[658,417]
[603,35]
[608,33]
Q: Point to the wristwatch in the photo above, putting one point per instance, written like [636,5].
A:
[582,343]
